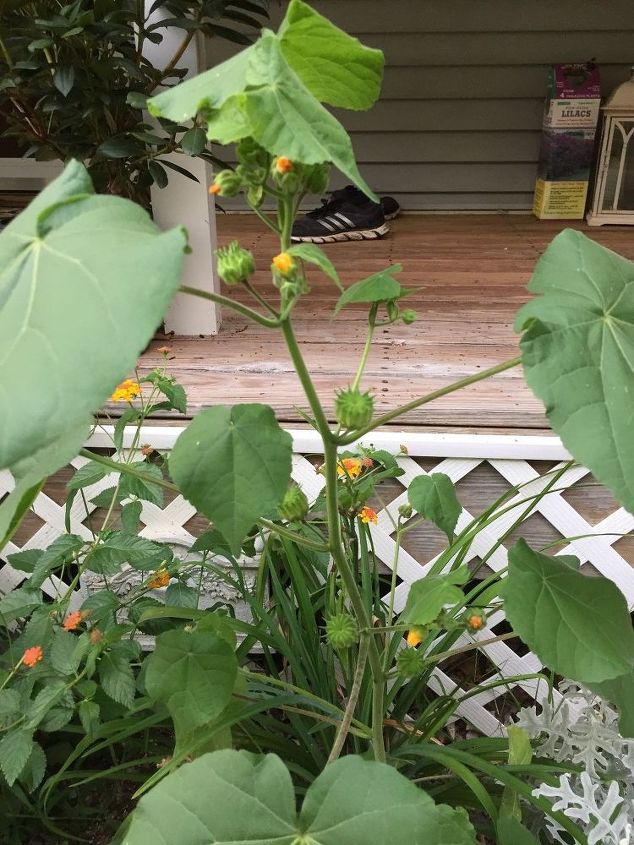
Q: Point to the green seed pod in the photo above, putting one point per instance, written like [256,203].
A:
[409,316]
[410,662]
[353,409]
[255,195]
[316,178]
[294,506]
[392,310]
[227,183]
[341,631]
[405,511]
[235,264]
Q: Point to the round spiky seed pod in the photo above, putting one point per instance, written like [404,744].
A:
[408,316]
[227,184]
[294,506]
[341,630]
[235,264]
[410,663]
[353,409]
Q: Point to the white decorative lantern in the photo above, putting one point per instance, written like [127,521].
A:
[613,200]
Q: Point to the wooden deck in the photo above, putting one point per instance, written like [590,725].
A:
[470,274]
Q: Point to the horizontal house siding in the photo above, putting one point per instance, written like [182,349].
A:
[458,122]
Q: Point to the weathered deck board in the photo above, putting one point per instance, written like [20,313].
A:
[470,274]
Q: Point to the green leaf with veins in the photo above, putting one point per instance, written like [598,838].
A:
[578,625]
[233,464]
[428,596]
[314,255]
[353,801]
[99,258]
[335,67]
[578,354]
[379,287]
[434,497]
[620,692]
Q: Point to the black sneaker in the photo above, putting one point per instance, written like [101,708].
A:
[347,216]
[391,208]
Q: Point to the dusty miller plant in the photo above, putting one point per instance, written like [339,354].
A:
[369,737]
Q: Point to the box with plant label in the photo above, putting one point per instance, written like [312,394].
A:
[569,127]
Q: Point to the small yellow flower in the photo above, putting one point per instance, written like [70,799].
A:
[349,468]
[414,637]
[283,263]
[367,515]
[161,578]
[283,164]
[32,655]
[215,189]
[126,391]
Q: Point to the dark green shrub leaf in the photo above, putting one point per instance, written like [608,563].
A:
[578,625]
[434,497]
[335,67]
[64,79]
[427,597]
[71,253]
[233,464]
[194,141]
[578,354]
[158,173]
[15,749]
[353,801]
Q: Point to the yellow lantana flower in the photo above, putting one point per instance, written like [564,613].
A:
[349,468]
[367,515]
[126,391]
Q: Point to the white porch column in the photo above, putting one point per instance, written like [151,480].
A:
[188,203]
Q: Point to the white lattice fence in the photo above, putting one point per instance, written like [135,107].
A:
[458,456]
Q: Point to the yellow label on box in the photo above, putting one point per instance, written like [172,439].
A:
[560,200]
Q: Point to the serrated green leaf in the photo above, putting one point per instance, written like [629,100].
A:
[578,354]
[314,255]
[353,801]
[61,551]
[70,252]
[88,474]
[10,706]
[233,464]
[102,605]
[15,749]
[428,596]
[116,677]
[434,498]
[130,516]
[67,651]
[33,773]
[47,698]
[181,595]
[25,560]
[579,626]
[379,287]
[143,488]
[193,674]
[19,603]
[89,715]
[335,67]
[105,497]
[119,547]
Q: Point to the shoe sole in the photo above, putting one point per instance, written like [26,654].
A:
[354,235]
[393,215]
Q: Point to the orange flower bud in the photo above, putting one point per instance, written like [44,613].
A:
[283,164]
[283,263]
[214,189]
[146,449]
[164,350]
[475,622]
[96,636]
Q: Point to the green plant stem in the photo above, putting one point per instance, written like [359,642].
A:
[368,343]
[219,299]
[260,299]
[292,535]
[344,727]
[334,535]
[429,397]
[445,655]
[266,220]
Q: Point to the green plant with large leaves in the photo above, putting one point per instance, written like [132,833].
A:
[362,689]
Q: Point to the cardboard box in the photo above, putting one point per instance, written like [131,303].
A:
[569,126]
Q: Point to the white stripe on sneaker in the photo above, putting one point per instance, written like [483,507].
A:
[326,225]
[345,219]
[336,222]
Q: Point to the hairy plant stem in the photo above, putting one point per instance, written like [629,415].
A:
[335,540]
[368,343]
[219,299]
[344,728]
[429,397]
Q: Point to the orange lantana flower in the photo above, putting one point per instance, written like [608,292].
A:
[73,620]
[349,467]
[283,164]
[32,655]
[283,263]
[161,578]
[367,515]
[367,462]
[126,391]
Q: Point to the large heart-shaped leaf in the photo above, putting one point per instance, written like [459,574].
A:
[234,797]
[82,279]
[434,498]
[193,673]
[337,68]
[578,354]
[579,626]
[233,464]
[258,94]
